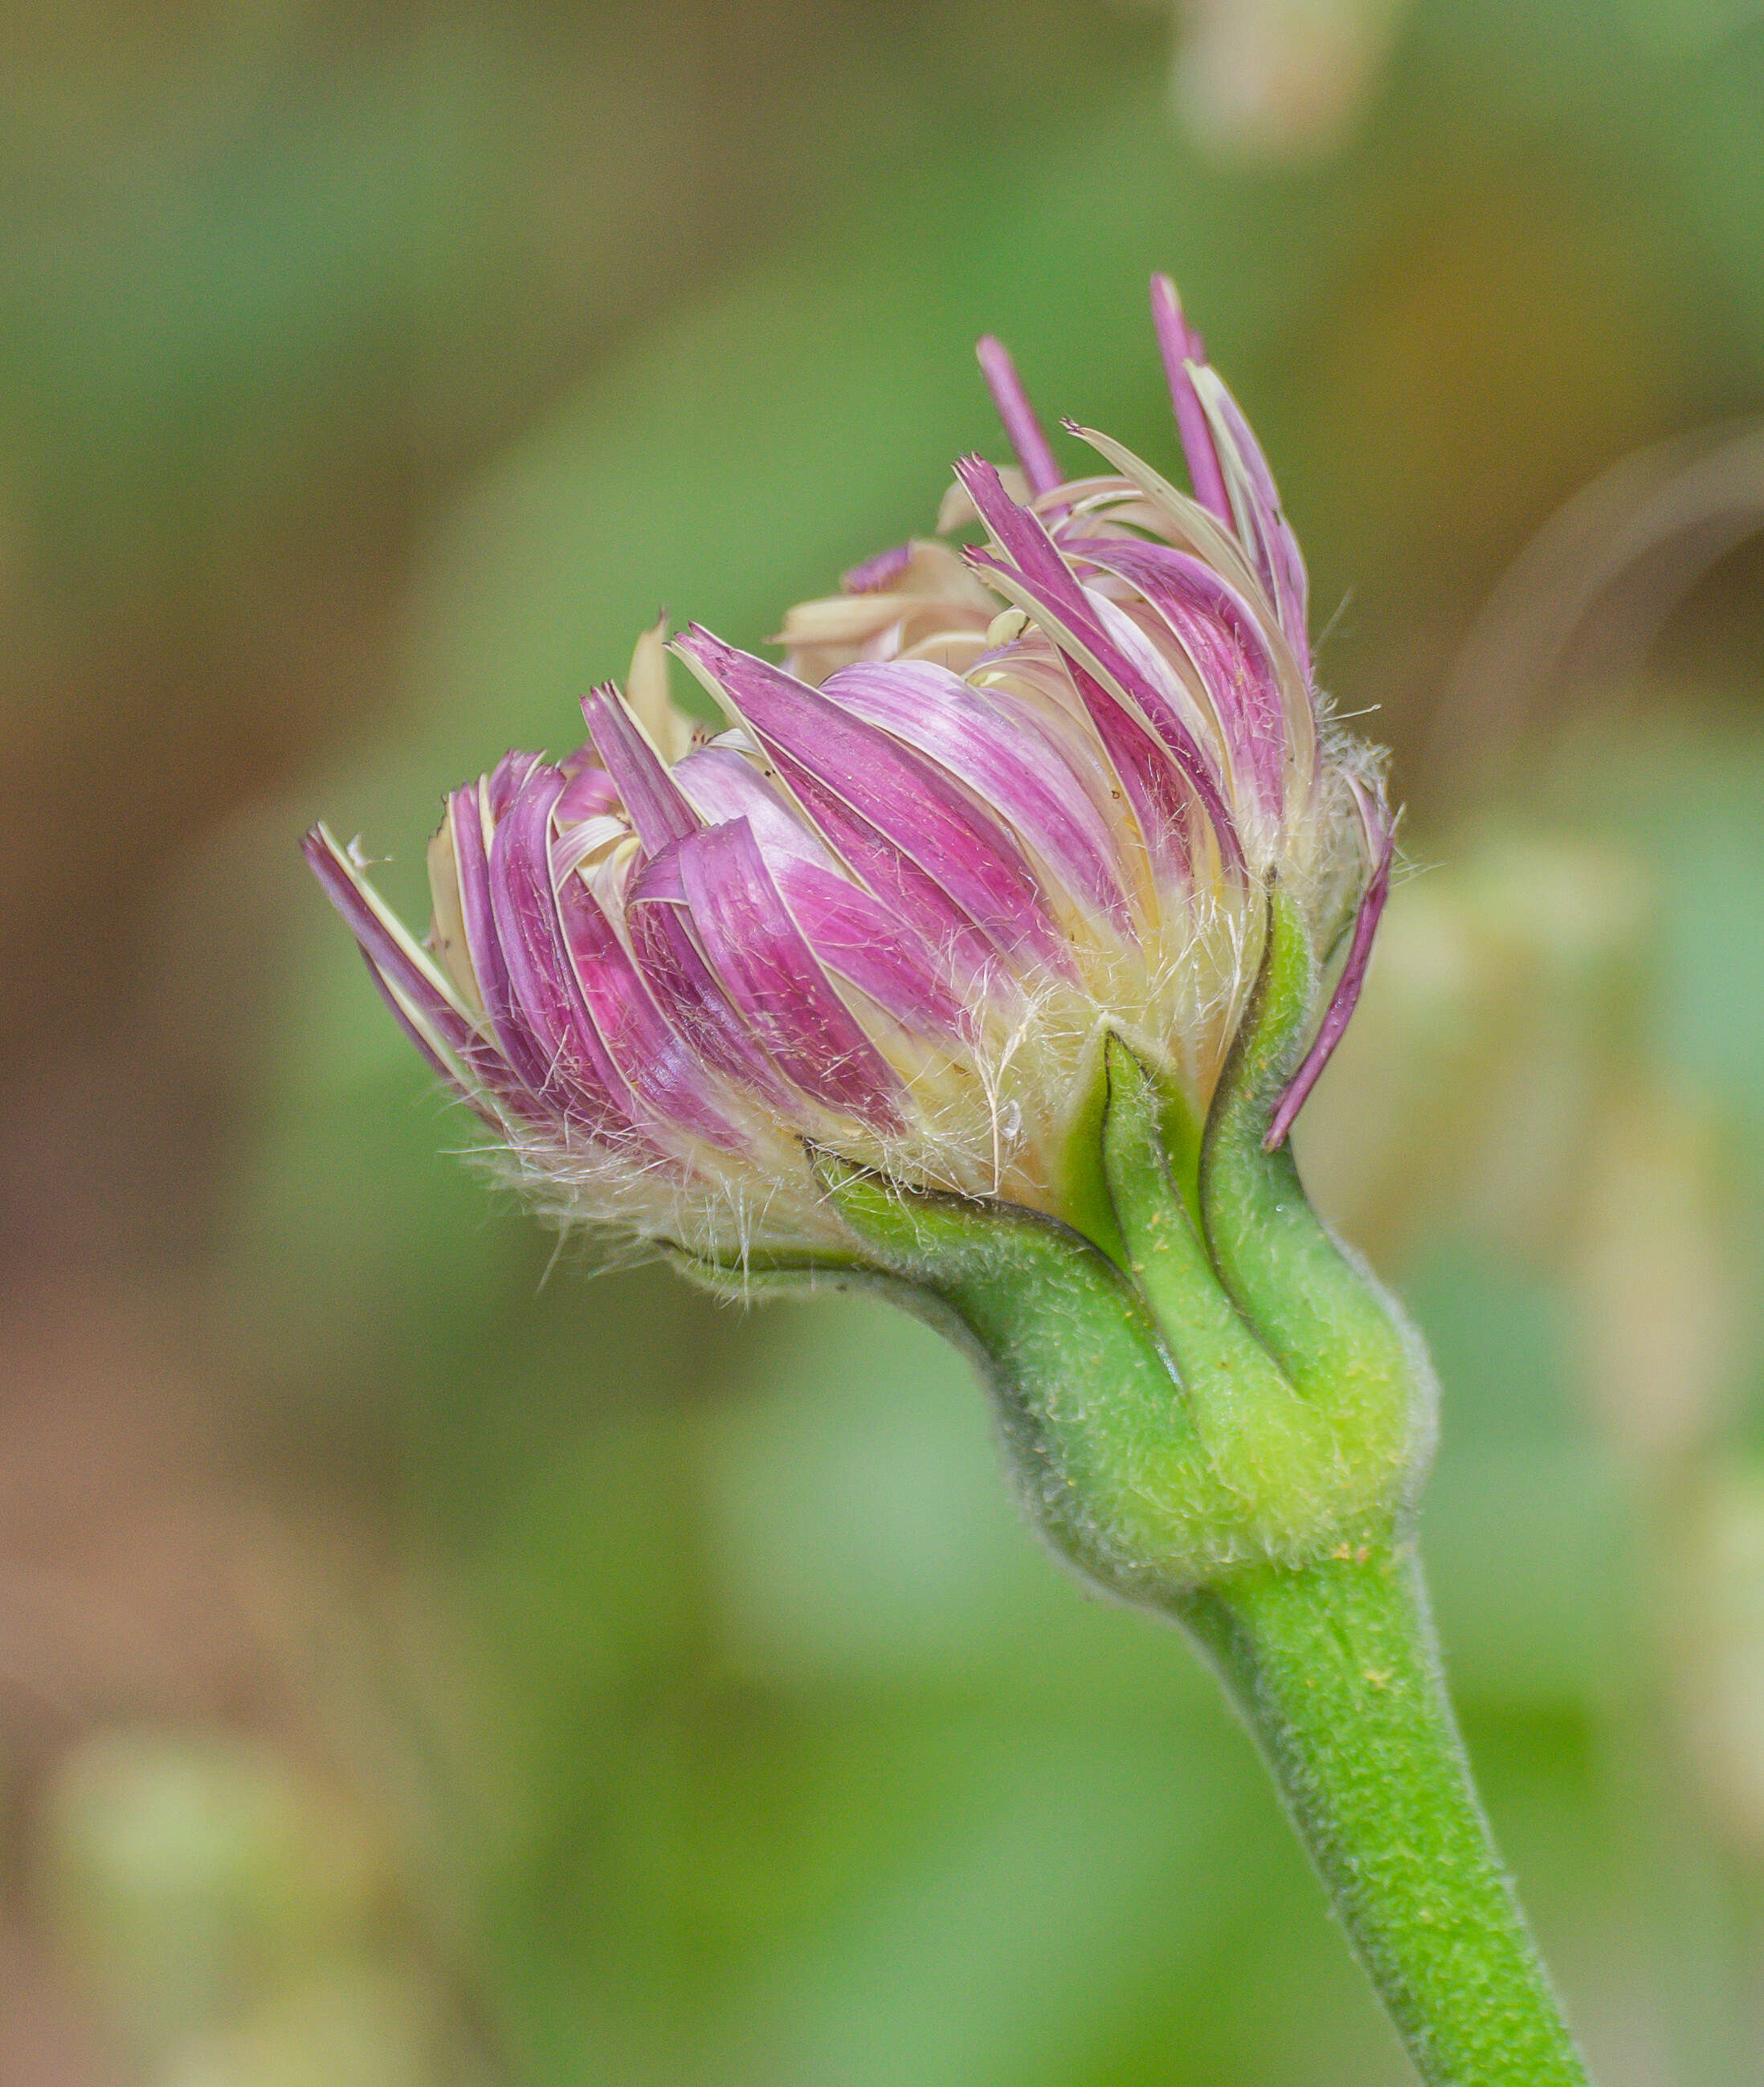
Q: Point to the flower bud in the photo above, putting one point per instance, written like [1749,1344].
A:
[1000,803]
[986,957]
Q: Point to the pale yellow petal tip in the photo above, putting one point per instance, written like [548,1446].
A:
[447,934]
[651,700]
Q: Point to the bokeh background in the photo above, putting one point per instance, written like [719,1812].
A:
[427,1660]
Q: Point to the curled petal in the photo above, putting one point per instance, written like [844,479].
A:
[855,934]
[1218,632]
[1191,528]
[652,800]
[425,1003]
[676,970]
[1382,841]
[1154,789]
[507,779]
[849,619]
[517,1069]
[582,1084]
[765,965]
[721,784]
[1002,758]
[1150,779]
[1263,529]
[852,931]
[590,793]
[877,572]
[1058,602]
[655,1063]
[905,829]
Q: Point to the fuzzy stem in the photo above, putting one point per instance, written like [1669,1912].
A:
[1334,1667]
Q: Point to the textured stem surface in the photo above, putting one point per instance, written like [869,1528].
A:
[1334,1668]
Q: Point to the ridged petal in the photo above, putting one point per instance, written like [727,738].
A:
[517,1068]
[653,805]
[852,931]
[582,1084]
[769,972]
[655,1063]
[507,779]
[1193,529]
[905,830]
[1220,634]
[720,782]
[677,971]
[1188,524]
[422,999]
[590,793]
[1059,603]
[385,943]
[1261,528]
[1002,758]
[1154,788]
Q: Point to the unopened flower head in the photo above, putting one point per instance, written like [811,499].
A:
[1000,799]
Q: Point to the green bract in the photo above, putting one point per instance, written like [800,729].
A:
[1211,1382]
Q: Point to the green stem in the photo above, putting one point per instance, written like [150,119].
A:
[1334,1668]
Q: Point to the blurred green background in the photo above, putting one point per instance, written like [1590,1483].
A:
[426,1659]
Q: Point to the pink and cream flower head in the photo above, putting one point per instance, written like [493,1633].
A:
[998,801]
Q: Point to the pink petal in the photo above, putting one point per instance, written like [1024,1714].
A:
[342,886]
[852,931]
[509,777]
[582,1082]
[769,972]
[658,1064]
[901,825]
[1261,528]
[590,793]
[675,968]
[517,1068]
[1001,758]
[1039,465]
[1180,345]
[1070,622]
[657,810]
[1218,631]
[874,574]
[1153,786]
[720,784]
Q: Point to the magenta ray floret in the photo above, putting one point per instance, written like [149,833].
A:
[1037,459]
[996,801]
